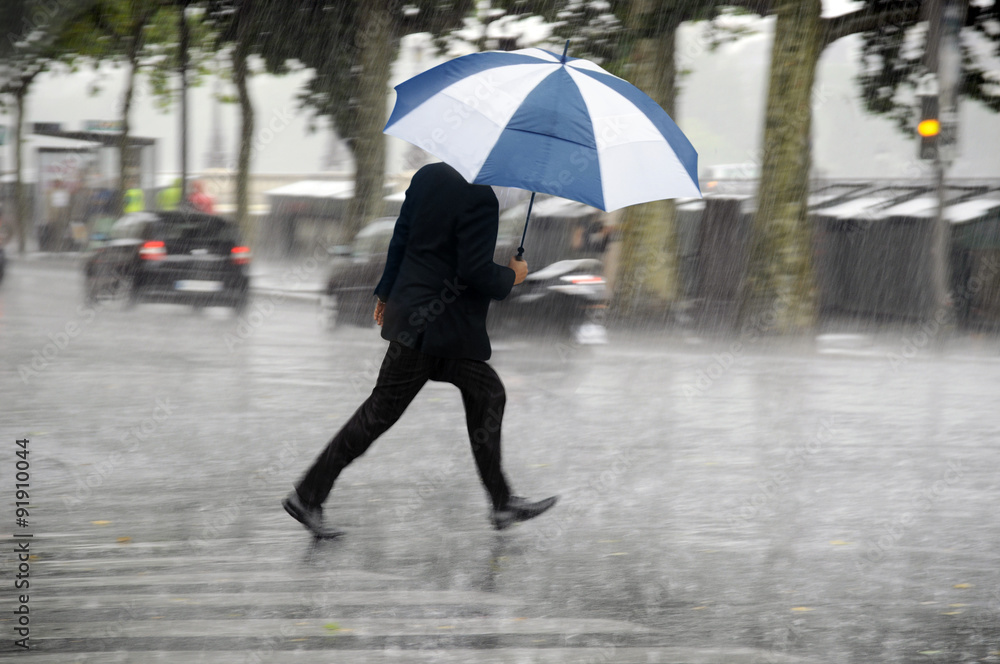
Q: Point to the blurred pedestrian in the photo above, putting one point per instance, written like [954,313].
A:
[53,235]
[199,199]
[169,197]
[432,303]
[135,200]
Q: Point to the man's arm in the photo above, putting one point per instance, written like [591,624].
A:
[397,247]
[477,240]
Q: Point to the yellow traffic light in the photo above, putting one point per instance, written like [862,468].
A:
[929,128]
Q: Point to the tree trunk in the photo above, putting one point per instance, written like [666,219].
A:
[378,46]
[21,212]
[240,54]
[184,33]
[124,153]
[647,280]
[778,292]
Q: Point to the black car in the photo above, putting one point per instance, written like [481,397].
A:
[170,256]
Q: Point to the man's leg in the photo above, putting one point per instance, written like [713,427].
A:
[484,398]
[404,371]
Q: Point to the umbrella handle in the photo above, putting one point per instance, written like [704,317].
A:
[520,249]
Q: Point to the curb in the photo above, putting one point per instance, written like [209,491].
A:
[304,296]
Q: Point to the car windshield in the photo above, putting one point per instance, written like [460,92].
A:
[126,228]
[204,229]
[373,239]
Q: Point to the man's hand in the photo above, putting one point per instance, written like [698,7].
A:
[520,268]
[379,312]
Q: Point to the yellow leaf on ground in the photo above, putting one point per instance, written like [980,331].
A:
[802,608]
[333,627]
[962,585]
[124,540]
[839,543]
[101,523]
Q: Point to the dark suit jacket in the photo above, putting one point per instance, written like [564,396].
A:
[439,274]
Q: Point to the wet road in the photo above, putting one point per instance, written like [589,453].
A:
[719,503]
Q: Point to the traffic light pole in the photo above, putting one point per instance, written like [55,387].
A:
[940,247]
[930,130]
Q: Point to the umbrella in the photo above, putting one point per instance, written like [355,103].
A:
[534,120]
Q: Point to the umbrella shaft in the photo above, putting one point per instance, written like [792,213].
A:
[520,250]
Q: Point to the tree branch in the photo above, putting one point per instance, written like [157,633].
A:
[867,19]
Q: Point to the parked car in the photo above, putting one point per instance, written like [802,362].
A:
[561,296]
[354,273]
[170,256]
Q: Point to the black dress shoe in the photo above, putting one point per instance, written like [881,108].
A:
[310,517]
[519,509]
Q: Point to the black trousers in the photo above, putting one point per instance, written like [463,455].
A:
[403,373]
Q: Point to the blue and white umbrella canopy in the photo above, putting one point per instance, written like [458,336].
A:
[533,120]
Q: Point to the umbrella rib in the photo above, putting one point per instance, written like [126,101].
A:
[558,138]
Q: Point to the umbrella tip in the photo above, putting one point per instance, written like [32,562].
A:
[565,49]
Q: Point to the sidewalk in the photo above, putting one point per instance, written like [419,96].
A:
[303,279]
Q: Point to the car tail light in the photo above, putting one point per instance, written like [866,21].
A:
[240,255]
[583,279]
[154,250]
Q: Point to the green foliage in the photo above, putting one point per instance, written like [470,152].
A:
[328,37]
[164,52]
[33,38]
[139,33]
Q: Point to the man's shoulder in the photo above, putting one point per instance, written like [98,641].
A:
[438,171]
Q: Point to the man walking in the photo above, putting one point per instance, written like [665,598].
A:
[433,299]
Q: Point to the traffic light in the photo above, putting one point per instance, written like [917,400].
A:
[929,127]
